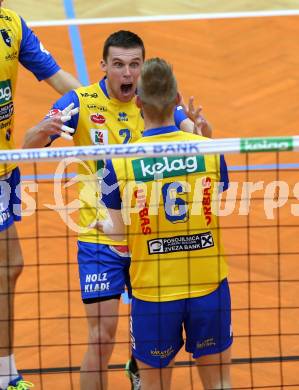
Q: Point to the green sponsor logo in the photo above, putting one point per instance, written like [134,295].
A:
[266,144]
[5,92]
[147,169]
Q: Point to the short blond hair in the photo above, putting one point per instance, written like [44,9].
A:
[157,88]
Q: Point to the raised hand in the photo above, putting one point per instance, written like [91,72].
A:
[201,125]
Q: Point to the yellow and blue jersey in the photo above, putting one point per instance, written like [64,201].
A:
[101,120]
[169,206]
[17,44]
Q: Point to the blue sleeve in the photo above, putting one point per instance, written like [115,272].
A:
[224,180]
[179,116]
[110,188]
[61,104]
[34,57]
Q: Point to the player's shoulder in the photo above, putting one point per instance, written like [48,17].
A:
[9,16]
[66,100]
[6,13]
[87,90]
[195,137]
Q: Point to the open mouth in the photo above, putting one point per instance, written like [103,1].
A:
[126,88]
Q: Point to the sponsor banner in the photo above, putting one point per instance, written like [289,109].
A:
[266,144]
[192,242]
[147,169]
[95,152]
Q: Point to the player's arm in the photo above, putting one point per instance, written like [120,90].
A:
[190,119]
[63,82]
[34,57]
[61,121]
[113,226]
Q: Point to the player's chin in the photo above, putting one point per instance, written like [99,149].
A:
[126,98]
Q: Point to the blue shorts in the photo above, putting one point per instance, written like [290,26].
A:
[10,199]
[103,270]
[157,327]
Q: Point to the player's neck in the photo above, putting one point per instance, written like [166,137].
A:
[153,124]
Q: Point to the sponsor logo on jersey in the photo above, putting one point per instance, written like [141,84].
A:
[144,218]
[5,124]
[99,137]
[6,37]
[6,104]
[6,112]
[188,243]
[148,169]
[5,91]
[98,118]
[12,56]
[6,17]
[86,95]
[97,107]
[207,199]
[122,117]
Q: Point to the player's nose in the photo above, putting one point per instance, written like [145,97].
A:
[127,71]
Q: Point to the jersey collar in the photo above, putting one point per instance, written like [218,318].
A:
[159,130]
[103,87]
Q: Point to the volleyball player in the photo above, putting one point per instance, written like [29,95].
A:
[178,271]
[18,44]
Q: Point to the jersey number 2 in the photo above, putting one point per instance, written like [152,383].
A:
[126,134]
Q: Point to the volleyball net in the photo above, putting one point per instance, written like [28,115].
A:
[259,226]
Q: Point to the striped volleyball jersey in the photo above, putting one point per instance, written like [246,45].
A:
[17,44]
[101,120]
[169,206]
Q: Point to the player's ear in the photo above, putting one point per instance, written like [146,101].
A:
[103,65]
